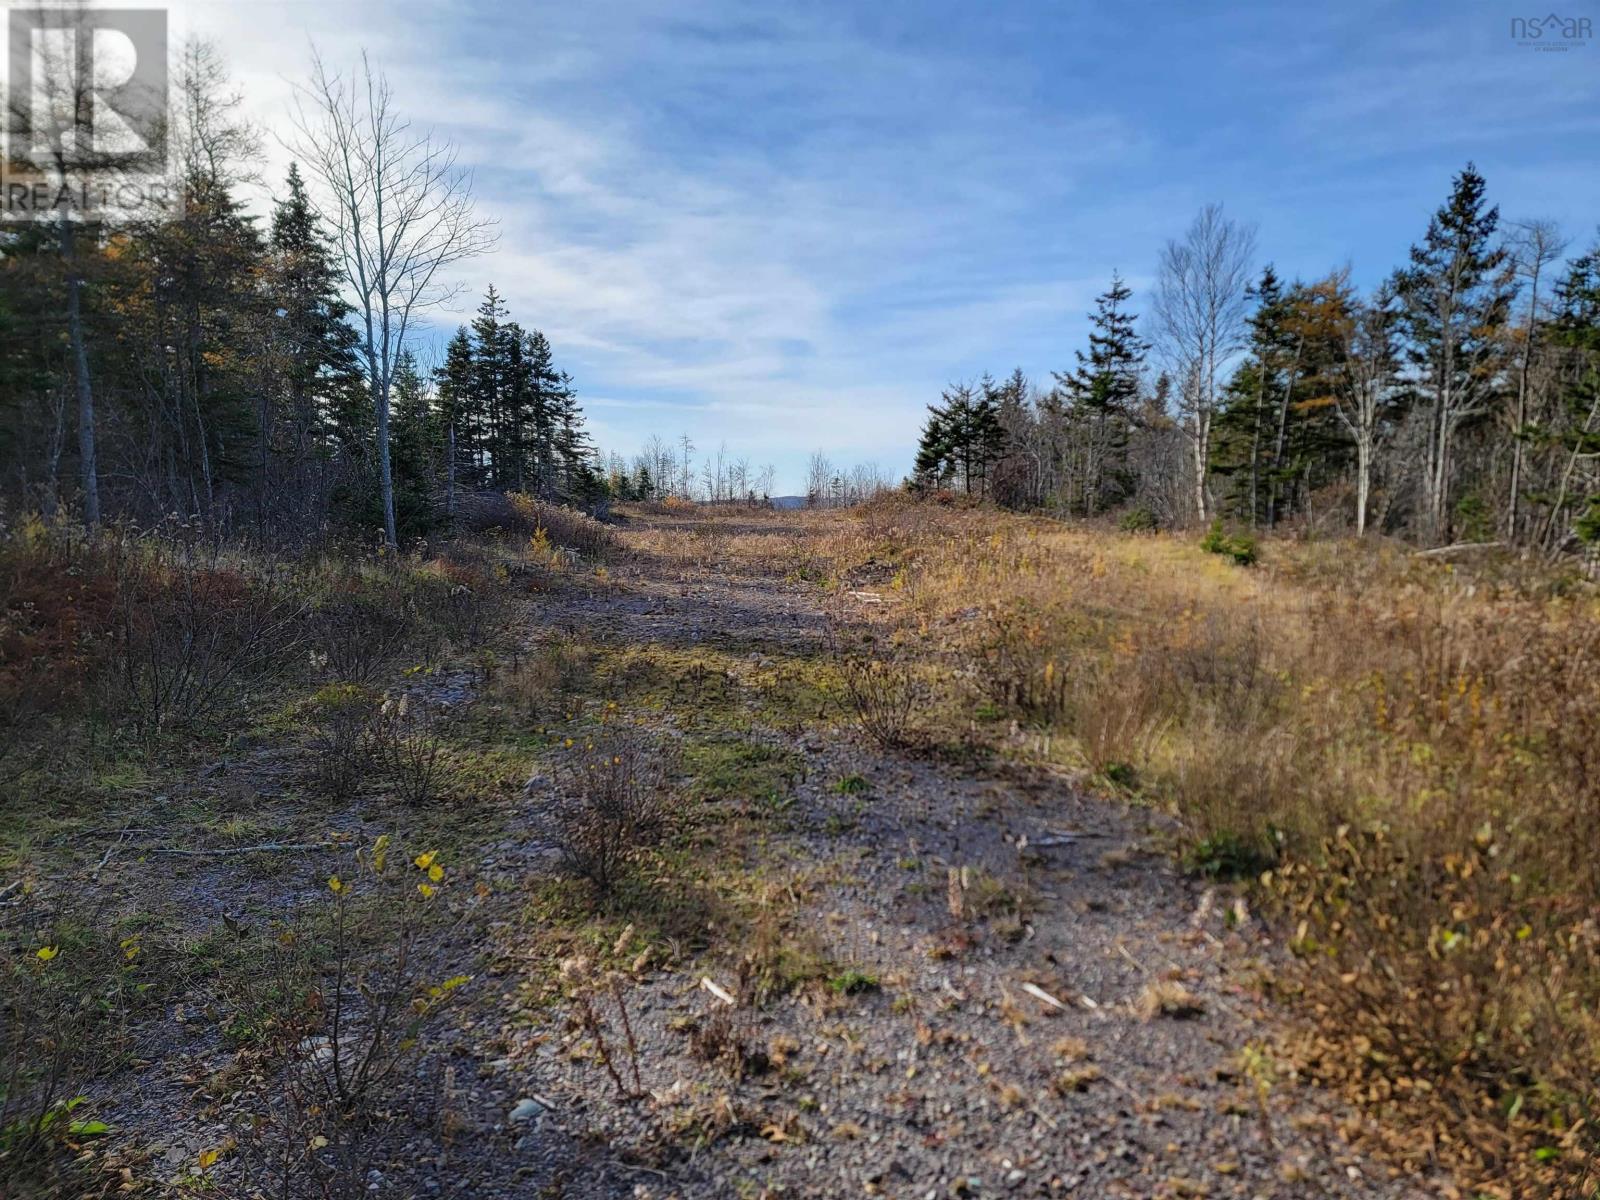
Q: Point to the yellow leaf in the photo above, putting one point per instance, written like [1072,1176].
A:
[208,1158]
[436,872]
[335,885]
[424,861]
[380,852]
[46,953]
[426,890]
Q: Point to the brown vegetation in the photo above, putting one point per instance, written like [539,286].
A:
[1402,754]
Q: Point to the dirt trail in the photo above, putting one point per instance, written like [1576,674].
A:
[957,896]
[977,941]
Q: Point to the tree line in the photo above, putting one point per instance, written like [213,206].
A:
[1458,400]
[669,470]
[262,376]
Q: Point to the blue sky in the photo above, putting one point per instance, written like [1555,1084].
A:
[787,226]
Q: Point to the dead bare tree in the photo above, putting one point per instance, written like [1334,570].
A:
[401,210]
[1535,246]
[1370,359]
[1201,303]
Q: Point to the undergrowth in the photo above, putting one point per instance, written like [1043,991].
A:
[1403,758]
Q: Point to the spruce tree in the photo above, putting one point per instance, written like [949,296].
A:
[414,449]
[1101,394]
[312,345]
[1455,297]
[545,384]
[453,382]
[962,439]
[491,359]
[1576,331]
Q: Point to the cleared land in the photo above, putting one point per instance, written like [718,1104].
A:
[897,851]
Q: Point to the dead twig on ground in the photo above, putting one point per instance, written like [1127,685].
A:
[263,848]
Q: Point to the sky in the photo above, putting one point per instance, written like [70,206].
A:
[787,226]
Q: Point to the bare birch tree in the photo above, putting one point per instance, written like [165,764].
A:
[1535,247]
[1200,308]
[402,215]
[1362,386]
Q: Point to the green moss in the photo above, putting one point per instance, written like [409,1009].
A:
[853,983]
[728,769]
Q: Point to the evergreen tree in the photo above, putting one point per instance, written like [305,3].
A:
[962,439]
[1575,501]
[1455,296]
[1256,390]
[453,383]
[312,347]
[935,462]
[1100,395]
[1277,430]
[545,385]
[414,449]
[486,414]
[197,316]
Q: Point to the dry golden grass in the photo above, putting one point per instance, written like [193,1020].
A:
[1167,998]
[1403,754]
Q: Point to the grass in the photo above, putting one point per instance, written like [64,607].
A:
[1402,755]
[744,774]
[1399,758]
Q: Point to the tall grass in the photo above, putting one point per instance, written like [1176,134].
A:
[1405,758]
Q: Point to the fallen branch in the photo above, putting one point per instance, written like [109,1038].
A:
[1457,548]
[263,848]
[94,875]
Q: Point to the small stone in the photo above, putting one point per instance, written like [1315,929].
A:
[527,1109]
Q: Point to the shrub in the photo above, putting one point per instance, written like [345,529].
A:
[1018,658]
[66,994]
[192,634]
[523,515]
[1227,855]
[885,691]
[610,803]
[340,717]
[726,1040]
[1139,520]
[1240,547]
[407,749]
[57,604]
[357,637]
[348,990]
